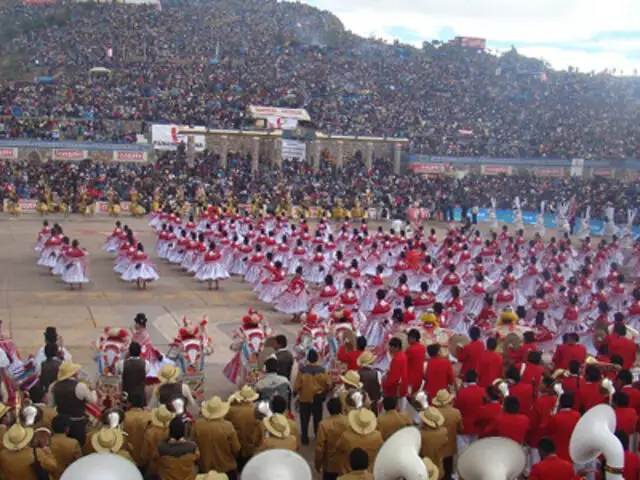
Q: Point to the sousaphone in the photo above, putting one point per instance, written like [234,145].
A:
[277,464]
[512,341]
[404,339]
[493,458]
[456,342]
[399,457]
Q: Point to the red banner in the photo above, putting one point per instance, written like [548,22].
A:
[120,156]
[9,153]
[427,167]
[70,155]
[557,172]
[496,169]
[603,172]
[472,42]
[40,2]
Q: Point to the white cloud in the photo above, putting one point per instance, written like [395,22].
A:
[513,21]
[560,59]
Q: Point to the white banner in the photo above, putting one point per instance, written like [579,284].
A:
[281,123]
[166,137]
[294,149]
[577,167]
[9,153]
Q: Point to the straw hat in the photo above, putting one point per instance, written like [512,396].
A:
[431,417]
[17,437]
[214,408]
[161,417]
[277,425]
[107,440]
[442,398]
[351,378]
[366,358]
[212,475]
[3,409]
[362,421]
[169,374]
[432,471]
[245,395]
[67,370]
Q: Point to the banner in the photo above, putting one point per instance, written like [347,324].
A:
[40,2]
[294,149]
[281,123]
[27,205]
[430,168]
[577,167]
[556,172]
[603,172]
[70,155]
[120,156]
[101,207]
[9,153]
[267,112]
[496,170]
[167,138]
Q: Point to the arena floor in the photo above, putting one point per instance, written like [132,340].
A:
[31,299]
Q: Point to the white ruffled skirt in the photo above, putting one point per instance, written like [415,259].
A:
[140,271]
[212,271]
[74,273]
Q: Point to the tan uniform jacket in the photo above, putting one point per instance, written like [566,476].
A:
[176,466]
[218,443]
[16,465]
[66,450]
[312,380]
[135,423]
[261,433]
[392,421]
[152,437]
[272,443]
[349,440]
[48,414]
[244,421]
[434,443]
[359,475]
[453,424]
[329,432]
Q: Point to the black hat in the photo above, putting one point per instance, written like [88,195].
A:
[51,334]
[141,319]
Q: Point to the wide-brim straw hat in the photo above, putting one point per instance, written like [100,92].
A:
[433,472]
[3,409]
[161,417]
[363,421]
[17,437]
[245,395]
[169,374]
[107,440]
[432,418]
[214,408]
[442,398]
[351,377]
[67,370]
[214,476]
[277,425]
[366,358]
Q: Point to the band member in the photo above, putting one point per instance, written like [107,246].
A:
[171,387]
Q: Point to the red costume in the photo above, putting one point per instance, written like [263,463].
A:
[553,468]
[469,356]
[559,428]
[470,400]
[395,383]
[416,354]
[438,375]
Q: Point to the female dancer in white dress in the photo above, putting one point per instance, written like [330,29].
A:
[140,270]
[75,272]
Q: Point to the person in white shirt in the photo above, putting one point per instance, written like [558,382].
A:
[51,337]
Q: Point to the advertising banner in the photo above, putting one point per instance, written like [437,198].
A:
[167,138]
[496,169]
[294,149]
[473,42]
[281,123]
[9,153]
[429,168]
[70,155]
[27,205]
[557,172]
[120,156]
[603,172]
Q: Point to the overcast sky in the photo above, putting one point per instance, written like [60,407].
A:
[589,34]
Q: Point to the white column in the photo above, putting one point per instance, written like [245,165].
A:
[397,155]
[368,155]
[224,150]
[340,155]
[316,155]
[255,153]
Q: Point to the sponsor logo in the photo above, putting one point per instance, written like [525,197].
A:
[129,156]
[69,154]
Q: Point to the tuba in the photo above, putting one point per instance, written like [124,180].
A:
[493,458]
[557,388]
[178,407]
[502,386]
[606,384]
[594,435]
[108,466]
[399,457]
[278,463]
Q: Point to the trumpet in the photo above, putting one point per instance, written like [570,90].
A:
[607,385]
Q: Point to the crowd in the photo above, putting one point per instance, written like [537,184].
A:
[204,62]
[296,181]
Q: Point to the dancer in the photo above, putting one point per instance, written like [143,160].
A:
[43,236]
[75,272]
[140,270]
[212,269]
[295,299]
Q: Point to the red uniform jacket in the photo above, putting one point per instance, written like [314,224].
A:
[485,417]
[552,468]
[469,400]
[524,393]
[540,413]
[631,466]
[520,355]
[624,347]
[509,425]
[532,374]
[395,384]
[490,367]
[634,397]
[626,419]
[589,396]
[572,383]
[469,356]
[350,358]
[559,428]
[415,365]
[438,375]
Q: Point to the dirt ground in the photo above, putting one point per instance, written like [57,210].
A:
[31,299]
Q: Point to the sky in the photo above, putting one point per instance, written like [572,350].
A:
[587,34]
